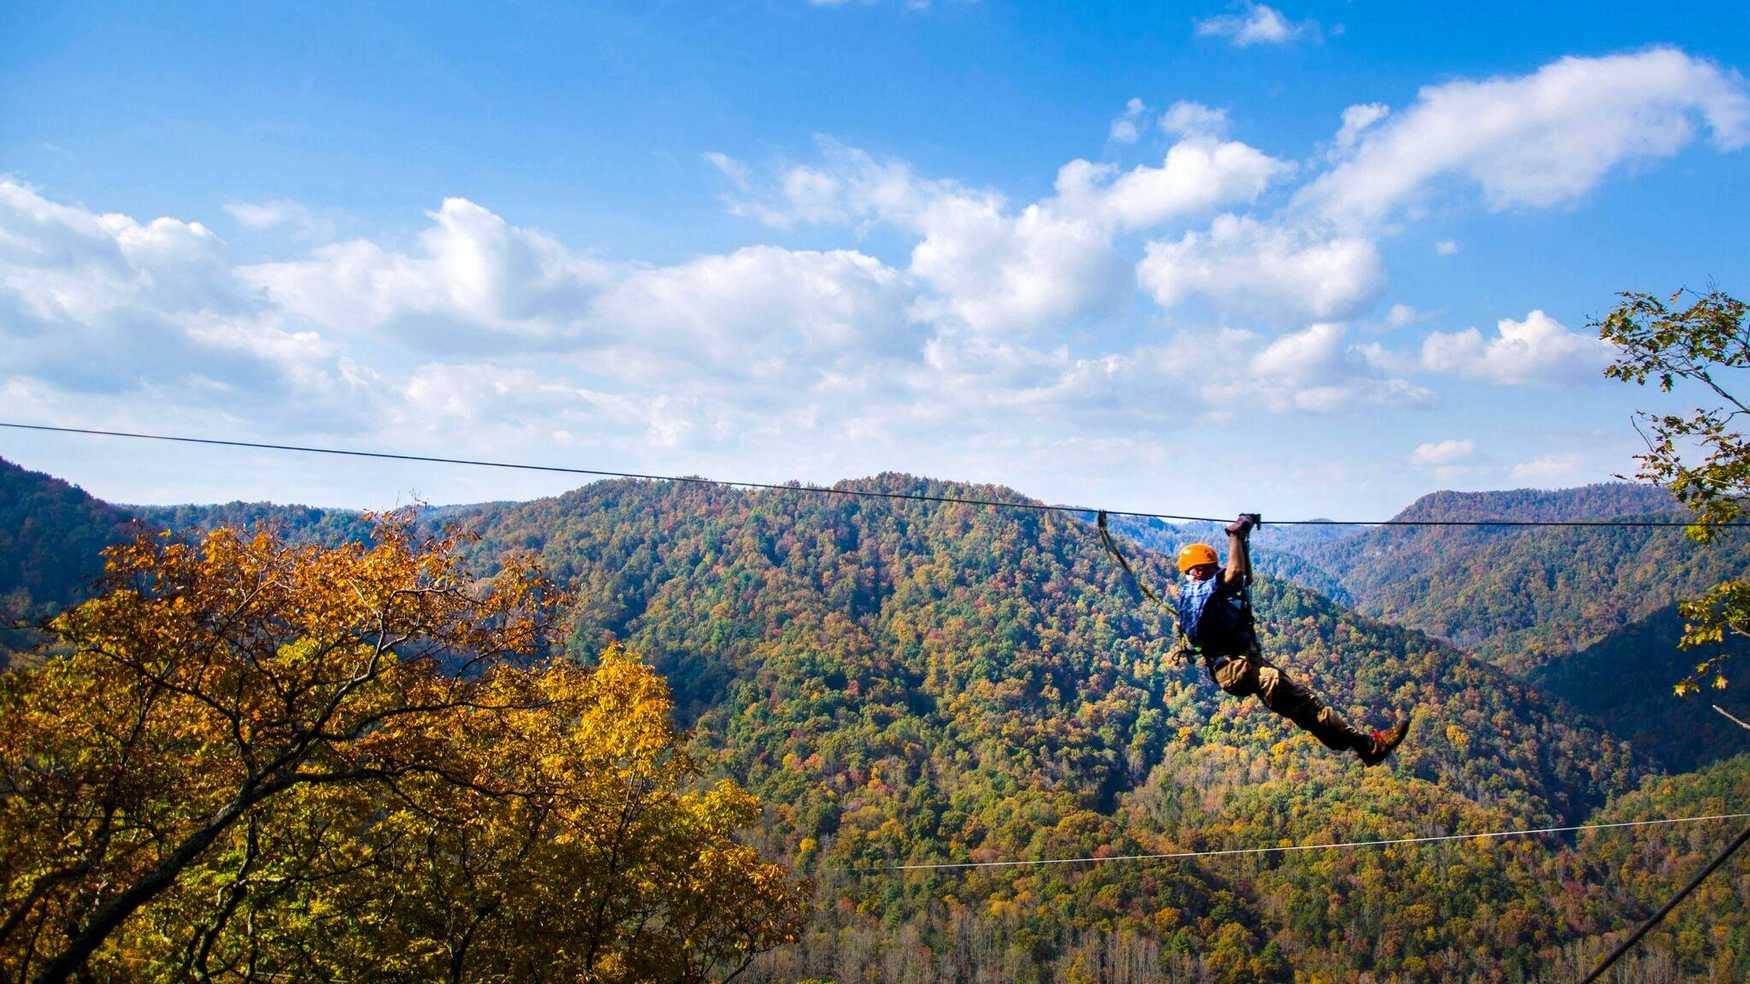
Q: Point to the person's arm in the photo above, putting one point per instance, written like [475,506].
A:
[1239,558]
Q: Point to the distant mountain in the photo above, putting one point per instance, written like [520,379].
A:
[1606,500]
[1624,682]
[51,538]
[316,525]
[1523,595]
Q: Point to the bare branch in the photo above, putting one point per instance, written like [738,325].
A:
[1730,718]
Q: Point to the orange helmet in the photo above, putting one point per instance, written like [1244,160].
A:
[1196,553]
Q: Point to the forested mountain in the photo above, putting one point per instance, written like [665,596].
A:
[905,682]
[1706,938]
[50,536]
[324,526]
[1520,596]
[1624,682]
[309,523]
[1604,500]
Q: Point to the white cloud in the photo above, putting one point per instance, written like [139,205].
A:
[1443,452]
[94,302]
[1312,370]
[283,213]
[1358,118]
[1549,471]
[730,168]
[990,267]
[1401,315]
[1538,349]
[1197,174]
[1256,23]
[474,272]
[1300,355]
[1539,139]
[1193,119]
[1123,129]
[1446,247]
[1275,272]
[761,310]
[992,271]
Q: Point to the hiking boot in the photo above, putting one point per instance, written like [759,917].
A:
[1381,743]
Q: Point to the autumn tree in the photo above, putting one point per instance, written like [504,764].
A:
[1702,456]
[260,759]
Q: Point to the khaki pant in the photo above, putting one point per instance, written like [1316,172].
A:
[1250,673]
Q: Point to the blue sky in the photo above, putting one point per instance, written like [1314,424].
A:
[1309,260]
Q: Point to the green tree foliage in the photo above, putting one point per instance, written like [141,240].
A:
[1703,342]
[907,683]
[1707,938]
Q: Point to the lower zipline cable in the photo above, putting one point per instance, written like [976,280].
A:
[1286,849]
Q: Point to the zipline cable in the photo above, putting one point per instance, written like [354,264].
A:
[1665,910]
[1292,848]
[825,490]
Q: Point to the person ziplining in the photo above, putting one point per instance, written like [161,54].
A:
[1214,608]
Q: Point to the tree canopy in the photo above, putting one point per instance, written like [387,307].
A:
[255,758]
[1703,456]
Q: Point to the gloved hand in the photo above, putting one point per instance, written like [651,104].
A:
[1243,525]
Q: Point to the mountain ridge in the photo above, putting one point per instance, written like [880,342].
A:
[909,682]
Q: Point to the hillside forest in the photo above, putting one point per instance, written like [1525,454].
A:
[809,692]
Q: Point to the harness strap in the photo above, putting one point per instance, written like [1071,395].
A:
[1112,548]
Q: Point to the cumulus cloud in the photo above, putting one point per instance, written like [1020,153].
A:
[1358,118]
[473,272]
[1401,316]
[1123,129]
[1313,370]
[1446,247]
[992,267]
[761,311]
[1256,23]
[1193,119]
[1536,140]
[283,213]
[1443,452]
[1198,174]
[103,302]
[1282,273]
[1549,471]
[1538,349]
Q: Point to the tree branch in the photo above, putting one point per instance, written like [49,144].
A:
[1732,719]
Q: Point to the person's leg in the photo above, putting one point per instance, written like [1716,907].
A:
[1298,704]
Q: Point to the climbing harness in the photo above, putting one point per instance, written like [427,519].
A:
[1130,572]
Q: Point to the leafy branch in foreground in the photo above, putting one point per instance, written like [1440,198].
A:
[255,759]
[1702,457]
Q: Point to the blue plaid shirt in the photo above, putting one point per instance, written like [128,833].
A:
[1225,626]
